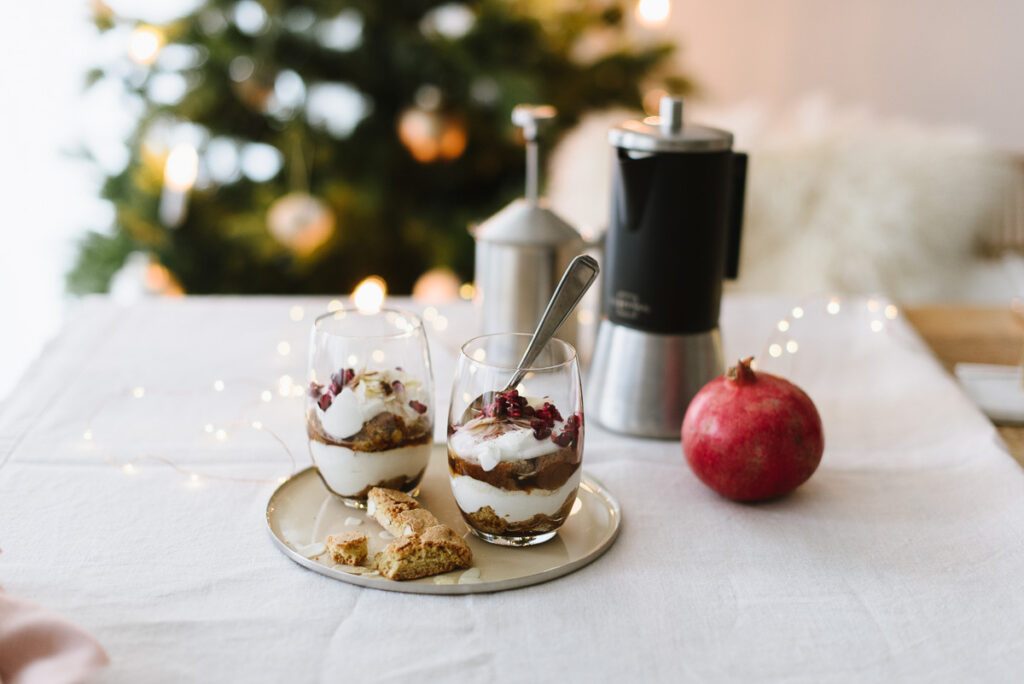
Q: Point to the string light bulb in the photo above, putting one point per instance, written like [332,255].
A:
[181,168]
[653,13]
[144,44]
[369,294]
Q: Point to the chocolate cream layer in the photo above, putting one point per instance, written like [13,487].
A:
[547,472]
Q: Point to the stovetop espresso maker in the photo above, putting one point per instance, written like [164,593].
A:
[677,215]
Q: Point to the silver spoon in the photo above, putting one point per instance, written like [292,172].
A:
[575,282]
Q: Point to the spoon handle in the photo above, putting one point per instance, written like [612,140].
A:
[575,282]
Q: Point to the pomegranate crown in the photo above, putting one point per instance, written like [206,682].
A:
[742,373]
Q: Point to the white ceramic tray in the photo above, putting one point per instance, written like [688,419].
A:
[301,513]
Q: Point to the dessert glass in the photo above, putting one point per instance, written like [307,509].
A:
[369,406]
[514,466]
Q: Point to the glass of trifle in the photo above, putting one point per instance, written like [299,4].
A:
[369,407]
[514,457]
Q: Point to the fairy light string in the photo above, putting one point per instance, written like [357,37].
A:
[286,387]
[219,431]
[880,314]
[782,342]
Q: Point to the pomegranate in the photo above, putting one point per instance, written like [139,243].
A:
[752,436]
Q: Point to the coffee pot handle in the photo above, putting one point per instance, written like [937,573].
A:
[739,187]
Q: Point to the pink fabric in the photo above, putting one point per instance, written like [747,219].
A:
[39,647]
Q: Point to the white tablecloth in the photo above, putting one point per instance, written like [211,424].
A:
[901,559]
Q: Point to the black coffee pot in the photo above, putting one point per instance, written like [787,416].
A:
[674,235]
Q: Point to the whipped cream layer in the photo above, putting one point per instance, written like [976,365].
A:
[353,407]
[513,505]
[515,444]
[349,472]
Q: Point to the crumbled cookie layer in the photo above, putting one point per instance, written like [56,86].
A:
[486,520]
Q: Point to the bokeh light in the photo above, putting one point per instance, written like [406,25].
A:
[181,168]
[653,13]
[144,44]
[369,295]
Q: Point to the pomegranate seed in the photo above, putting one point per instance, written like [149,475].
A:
[418,407]
[325,402]
[564,439]
[335,388]
[398,386]
[542,432]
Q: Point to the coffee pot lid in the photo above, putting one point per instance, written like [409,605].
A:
[523,222]
[667,132]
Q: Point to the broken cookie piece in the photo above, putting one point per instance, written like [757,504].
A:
[385,505]
[436,550]
[415,521]
[347,548]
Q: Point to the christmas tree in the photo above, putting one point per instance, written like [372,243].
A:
[297,147]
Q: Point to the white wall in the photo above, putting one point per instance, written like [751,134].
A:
[45,195]
[937,61]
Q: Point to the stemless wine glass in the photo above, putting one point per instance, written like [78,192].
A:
[515,463]
[369,408]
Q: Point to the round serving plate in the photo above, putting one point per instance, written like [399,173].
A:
[301,513]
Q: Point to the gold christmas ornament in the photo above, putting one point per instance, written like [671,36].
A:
[431,136]
[254,92]
[436,286]
[300,222]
